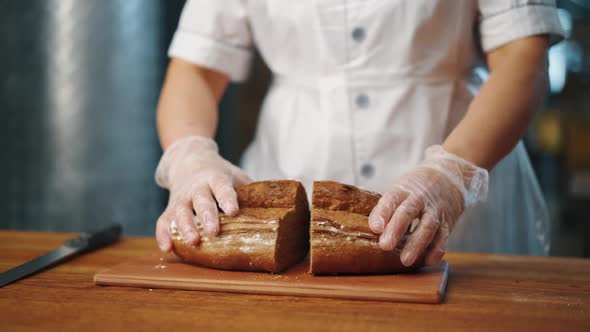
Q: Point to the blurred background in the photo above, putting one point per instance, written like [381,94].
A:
[79,84]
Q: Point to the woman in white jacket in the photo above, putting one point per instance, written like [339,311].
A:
[374,93]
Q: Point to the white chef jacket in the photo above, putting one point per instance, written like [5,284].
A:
[362,87]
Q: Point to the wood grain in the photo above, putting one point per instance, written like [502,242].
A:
[424,286]
[485,293]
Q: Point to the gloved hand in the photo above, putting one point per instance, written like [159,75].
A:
[436,192]
[197,176]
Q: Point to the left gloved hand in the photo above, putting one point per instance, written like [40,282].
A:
[436,192]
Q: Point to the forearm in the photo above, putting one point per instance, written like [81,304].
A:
[188,102]
[500,113]
[199,179]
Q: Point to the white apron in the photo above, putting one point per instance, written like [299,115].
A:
[362,88]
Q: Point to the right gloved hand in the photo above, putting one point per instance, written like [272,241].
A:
[197,176]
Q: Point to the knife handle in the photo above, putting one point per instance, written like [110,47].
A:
[89,241]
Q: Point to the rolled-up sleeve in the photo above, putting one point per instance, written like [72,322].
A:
[216,35]
[502,21]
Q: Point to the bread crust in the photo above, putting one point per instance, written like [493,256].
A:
[335,196]
[340,238]
[270,194]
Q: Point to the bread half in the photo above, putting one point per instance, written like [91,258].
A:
[270,233]
[340,238]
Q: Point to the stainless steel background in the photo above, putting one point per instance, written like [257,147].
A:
[79,82]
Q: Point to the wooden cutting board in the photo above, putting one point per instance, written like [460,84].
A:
[424,286]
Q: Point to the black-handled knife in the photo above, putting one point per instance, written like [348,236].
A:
[86,242]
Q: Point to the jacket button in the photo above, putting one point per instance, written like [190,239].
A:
[367,170]
[362,101]
[358,34]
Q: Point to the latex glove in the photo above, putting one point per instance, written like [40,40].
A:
[197,176]
[436,192]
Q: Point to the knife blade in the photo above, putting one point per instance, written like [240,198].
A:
[86,242]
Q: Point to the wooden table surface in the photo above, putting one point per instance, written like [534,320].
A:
[485,292]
